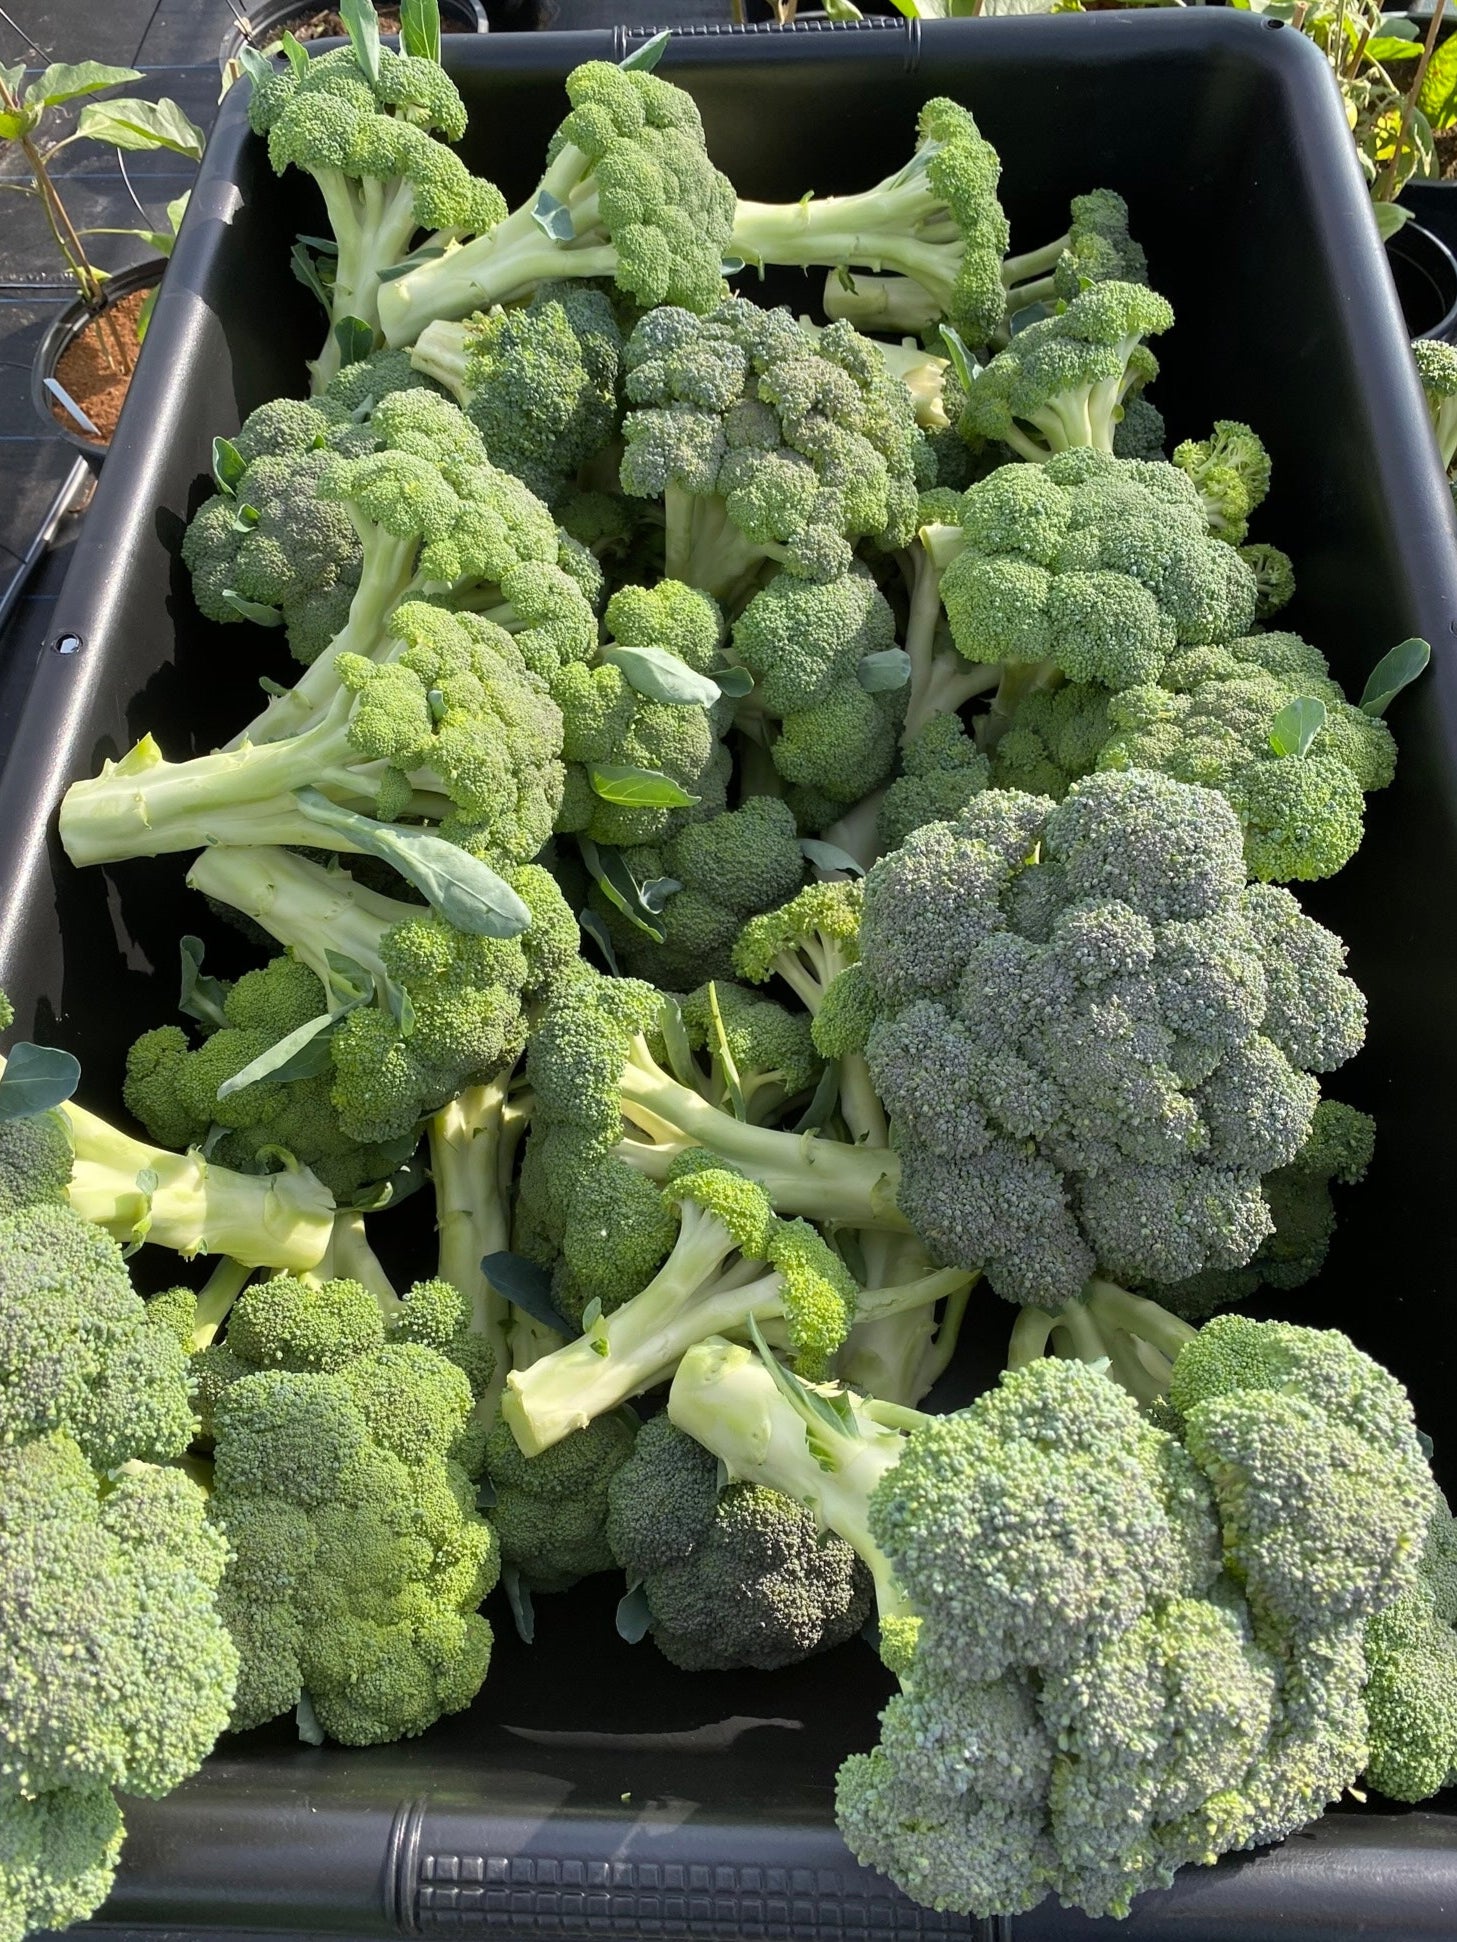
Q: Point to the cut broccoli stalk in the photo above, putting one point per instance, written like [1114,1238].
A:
[727,1399]
[139,1192]
[1138,1339]
[316,913]
[942,680]
[473,1143]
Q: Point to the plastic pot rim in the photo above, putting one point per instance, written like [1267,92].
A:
[270,13]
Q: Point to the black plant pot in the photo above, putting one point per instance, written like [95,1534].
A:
[1425,272]
[268,18]
[63,328]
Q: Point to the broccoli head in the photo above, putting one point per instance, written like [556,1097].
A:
[550,1510]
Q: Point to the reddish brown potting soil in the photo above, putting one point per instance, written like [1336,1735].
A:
[96,366]
[326,24]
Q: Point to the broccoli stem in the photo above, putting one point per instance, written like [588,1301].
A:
[506,264]
[215,1300]
[942,680]
[373,223]
[856,833]
[385,579]
[141,1193]
[1136,1337]
[440,353]
[885,304]
[703,547]
[900,226]
[471,1214]
[147,806]
[1016,681]
[725,1399]
[351,1258]
[313,911]
[1032,264]
[825,1180]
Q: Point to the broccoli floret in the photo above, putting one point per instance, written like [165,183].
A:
[357,1558]
[58,1854]
[1231,473]
[1140,433]
[1052,738]
[539,383]
[1063,382]
[1095,248]
[1411,1696]
[642,719]
[760,1055]
[1092,1067]
[628,194]
[942,769]
[936,222]
[432,1010]
[551,1510]
[1274,578]
[1100,567]
[815,651]
[1437,368]
[362,122]
[733,1576]
[766,443]
[1133,1647]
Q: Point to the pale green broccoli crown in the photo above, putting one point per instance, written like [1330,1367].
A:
[1099,247]
[78,1355]
[1411,1694]
[739,1208]
[730,866]
[1063,381]
[35,1161]
[818,1293]
[550,1512]
[358,1560]
[1090,1051]
[739,1576]
[843,1023]
[539,382]
[941,770]
[800,640]
[1231,472]
[58,1855]
[118,1670]
[1100,566]
[807,941]
[765,441]
[771,1050]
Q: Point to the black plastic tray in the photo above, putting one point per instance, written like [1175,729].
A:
[592,1790]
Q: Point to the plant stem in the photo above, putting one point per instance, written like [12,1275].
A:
[1408,107]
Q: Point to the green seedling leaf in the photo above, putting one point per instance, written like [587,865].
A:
[661,676]
[619,886]
[882,672]
[256,66]
[634,1618]
[642,60]
[420,29]
[67,81]
[553,218]
[361,23]
[301,1054]
[465,892]
[295,52]
[962,362]
[1437,99]
[199,996]
[829,856]
[527,1286]
[1393,672]
[733,682]
[307,1721]
[1297,725]
[401,1008]
[228,464]
[820,1108]
[253,609]
[518,1597]
[723,1058]
[37,1078]
[355,339]
[142,125]
[1392,47]
[591,925]
[306,271]
[591,1314]
[675,1038]
[634,788]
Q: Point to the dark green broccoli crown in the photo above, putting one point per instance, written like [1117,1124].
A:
[1102,566]
[35,1161]
[551,1510]
[1092,1039]
[1411,1696]
[941,770]
[358,1559]
[668,211]
[808,441]
[1054,738]
[1099,246]
[738,1577]
[1140,433]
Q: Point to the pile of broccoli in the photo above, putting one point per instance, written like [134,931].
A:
[790,832]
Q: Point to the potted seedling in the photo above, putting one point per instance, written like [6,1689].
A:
[85,360]
[264,23]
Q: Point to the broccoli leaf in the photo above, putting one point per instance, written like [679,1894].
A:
[527,1286]
[1392,673]
[882,672]
[1297,725]
[622,782]
[645,58]
[634,1616]
[355,339]
[200,997]
[300,1054]
[661,676]
[361,23]
[228,465]
[829,856]
[420,28]
[36,1079]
